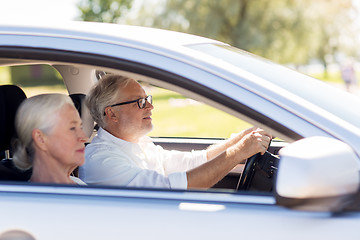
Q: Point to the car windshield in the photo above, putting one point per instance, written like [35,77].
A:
[325,96]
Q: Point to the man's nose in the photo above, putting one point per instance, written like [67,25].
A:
[148,105]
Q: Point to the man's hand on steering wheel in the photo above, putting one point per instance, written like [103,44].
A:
[256,141]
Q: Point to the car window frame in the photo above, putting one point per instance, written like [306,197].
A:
[153,72]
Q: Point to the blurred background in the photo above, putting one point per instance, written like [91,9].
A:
[319,38]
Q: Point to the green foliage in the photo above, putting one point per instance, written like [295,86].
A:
[35,75]
[5,77]
[103,10]
[194,121]
[176,116]
[334,26]
[334,77]
[285,31]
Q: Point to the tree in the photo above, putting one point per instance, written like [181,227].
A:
[286,31]
[103,10]
[333,24]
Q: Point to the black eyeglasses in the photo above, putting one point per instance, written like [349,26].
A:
[141,102]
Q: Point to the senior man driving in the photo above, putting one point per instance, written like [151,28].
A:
[121,154]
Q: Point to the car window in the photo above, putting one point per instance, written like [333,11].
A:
[175,115]
[33,79]
[300,84]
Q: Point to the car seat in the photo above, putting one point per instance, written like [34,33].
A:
[88,122]
[11,97]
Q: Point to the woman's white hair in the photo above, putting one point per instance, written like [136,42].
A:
[37,112]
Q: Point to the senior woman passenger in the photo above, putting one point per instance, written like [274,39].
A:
[50,139]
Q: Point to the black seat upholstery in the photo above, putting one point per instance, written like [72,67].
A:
[88,122]
[11,97]
[78,99]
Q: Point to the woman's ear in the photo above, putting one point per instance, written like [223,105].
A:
[38,138]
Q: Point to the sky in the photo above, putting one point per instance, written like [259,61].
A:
[38,10]
[54,10]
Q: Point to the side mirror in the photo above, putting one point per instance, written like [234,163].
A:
[317,174]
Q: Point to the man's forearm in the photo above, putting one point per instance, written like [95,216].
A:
[208,174]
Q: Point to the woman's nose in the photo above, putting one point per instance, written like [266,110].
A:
[82,136]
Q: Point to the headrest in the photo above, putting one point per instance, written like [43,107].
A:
[88,121]
[78,99]
[11,97]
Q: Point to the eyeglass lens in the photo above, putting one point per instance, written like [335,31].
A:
[142,101]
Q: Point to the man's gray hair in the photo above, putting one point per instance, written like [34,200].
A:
[104,94]
[37,112]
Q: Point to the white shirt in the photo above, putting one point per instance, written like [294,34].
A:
[113,161]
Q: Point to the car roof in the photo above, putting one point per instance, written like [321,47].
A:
[105,32]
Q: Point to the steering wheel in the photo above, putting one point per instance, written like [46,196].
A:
[258,172]
[248,172]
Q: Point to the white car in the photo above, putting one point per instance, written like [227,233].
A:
[308,188]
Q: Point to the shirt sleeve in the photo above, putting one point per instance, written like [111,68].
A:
[104,167]
[150,178]
[178,161]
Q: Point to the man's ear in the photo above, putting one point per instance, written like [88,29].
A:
[110,114]
[38,138]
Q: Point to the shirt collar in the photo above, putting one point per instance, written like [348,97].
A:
[105,135]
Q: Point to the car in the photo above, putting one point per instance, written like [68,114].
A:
[305,187]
